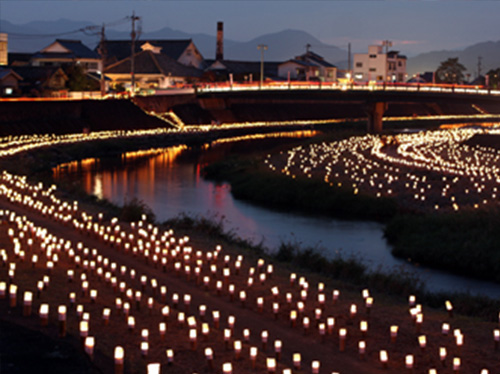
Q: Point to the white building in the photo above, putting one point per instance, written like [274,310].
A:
[377,66]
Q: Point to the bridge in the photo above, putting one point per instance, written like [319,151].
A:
[236,103]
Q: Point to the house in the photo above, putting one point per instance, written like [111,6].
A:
[309,66]
[377,66]
[19,59]
[67,52]
[9,82]
[152,70]
[46,81]
[243,71]
[182,51]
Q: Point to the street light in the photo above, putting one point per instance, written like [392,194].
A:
[262,47]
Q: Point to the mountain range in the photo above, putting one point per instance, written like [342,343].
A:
[282,45]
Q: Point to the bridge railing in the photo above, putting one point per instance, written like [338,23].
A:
[405,87]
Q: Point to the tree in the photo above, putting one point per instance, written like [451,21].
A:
[450,71]
[79,81]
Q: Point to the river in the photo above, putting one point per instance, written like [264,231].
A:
[169,181]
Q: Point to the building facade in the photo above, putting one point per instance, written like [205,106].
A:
[378,66]
[68,52]
[308,66]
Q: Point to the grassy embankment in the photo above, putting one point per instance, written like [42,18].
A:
[465,243]
[249,182]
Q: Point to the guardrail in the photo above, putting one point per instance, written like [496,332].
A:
[285,86]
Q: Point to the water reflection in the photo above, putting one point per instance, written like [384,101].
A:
[170,182]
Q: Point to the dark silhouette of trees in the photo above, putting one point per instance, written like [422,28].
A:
[450,71]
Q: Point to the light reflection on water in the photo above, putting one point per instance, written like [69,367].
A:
[170,182]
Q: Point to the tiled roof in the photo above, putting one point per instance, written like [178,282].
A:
[120,49]
[34,74]
[248,67]
[147,62]
[78,48]
[6,72]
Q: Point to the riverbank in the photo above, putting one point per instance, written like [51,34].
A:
[309,191]
[463,242]
[387,310]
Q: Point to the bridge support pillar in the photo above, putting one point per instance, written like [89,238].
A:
[375,113]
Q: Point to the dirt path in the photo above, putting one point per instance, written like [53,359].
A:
[477,352]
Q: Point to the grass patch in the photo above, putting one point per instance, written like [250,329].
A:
[466,243]
[249,182]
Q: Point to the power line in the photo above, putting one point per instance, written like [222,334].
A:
[85,30]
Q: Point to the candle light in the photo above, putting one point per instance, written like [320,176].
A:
[264,336]
[449,308]
[44,314]
[205,330]
[170,356]
[315,365]
[445,328]
[12,295]
[271,365]
[305,324]
[27,301]
[89,346]
[144,349]
[162,328]
[193,338]
[119,355]
[216,317]
[409,362]
[363,327]
[384,358]
[253,356]
[153,368]
[61,317]
[422,342]
[277,349]
[442,354]
[237,349]
[456,365]
[296,358]
[342,339]
[246,335]
[330,323]
[227,368]
[209,355]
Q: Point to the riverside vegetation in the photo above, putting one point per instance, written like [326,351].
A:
[249,181]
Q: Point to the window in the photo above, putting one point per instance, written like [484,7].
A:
[400,63]
[373,56]
[359,64]
[373,69]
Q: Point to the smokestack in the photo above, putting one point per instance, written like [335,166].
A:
[219,50]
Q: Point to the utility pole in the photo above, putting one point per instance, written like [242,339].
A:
[102,52]
[262,47]
[132,57]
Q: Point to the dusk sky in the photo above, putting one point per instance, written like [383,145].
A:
[414,26]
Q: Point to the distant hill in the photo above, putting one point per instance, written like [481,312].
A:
[283,45]
[489,51]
